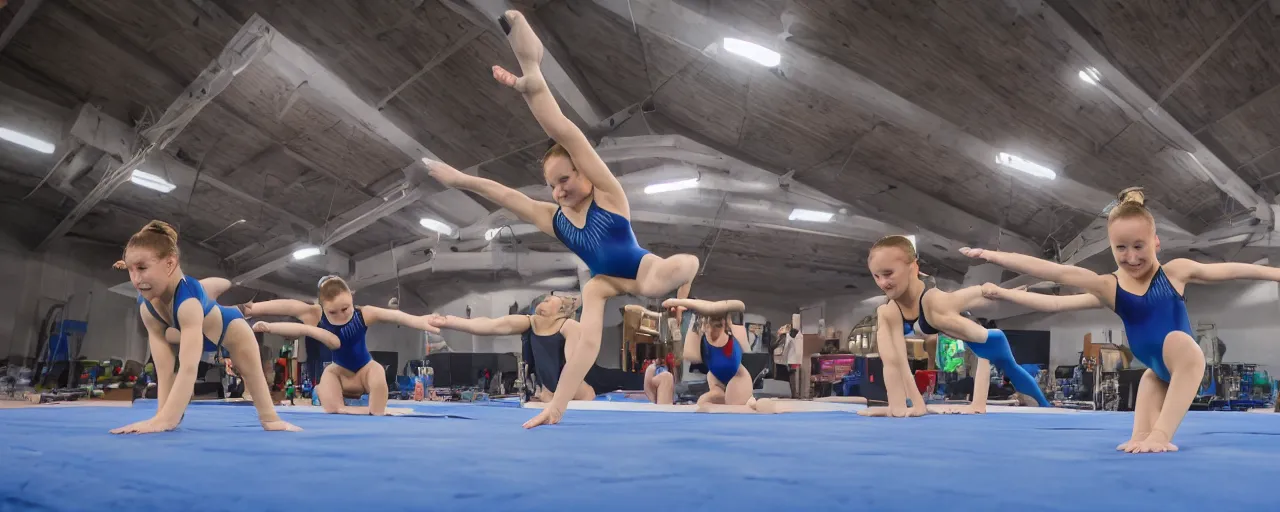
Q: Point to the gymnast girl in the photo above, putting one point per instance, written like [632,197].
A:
[1148,298]
[913,308]
[718,343]
[592,217]
[353,372]
[544,349]
[168,298]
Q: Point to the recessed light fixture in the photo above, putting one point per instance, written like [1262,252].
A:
[761,55]
[437,226]
[1091,75]
[671,186]
[23,139]
[1026,166]
[810,215]
[151,181]
[307,252]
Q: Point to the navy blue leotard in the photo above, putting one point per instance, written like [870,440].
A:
[996,350]
[605,242]
[1150,317]
[189,288]
[353,353]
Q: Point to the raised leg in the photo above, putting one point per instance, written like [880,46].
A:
[1151,393]
[1186,368]
[658,276]
[243,348]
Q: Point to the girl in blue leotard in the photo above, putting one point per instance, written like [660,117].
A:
[336,322]
[1148,298]
[913,309]
[718,343]
[167,298]
[592,216]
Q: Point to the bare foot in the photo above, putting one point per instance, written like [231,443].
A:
[883,412]
[1154,443]
[1132,442]
[280,426]
[524,42]
[917,411]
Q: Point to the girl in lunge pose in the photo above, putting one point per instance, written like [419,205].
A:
[168,298]
[592,216]
[1148,297]
[912,308]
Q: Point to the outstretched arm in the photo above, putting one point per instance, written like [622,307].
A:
[538,213]
[373,315]
[510,324]
[1191,271]
[297,330]
[1069,275]
[542,104]
[707,307]
[161,354]
[215,286]
[191,329]
[280,307]
[1042,302]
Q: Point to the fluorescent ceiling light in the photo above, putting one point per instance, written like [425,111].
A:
[810,215]
[659,188]
[490,234]
[912,238]
[304,253]
[23,139]
[1026,166]
[437,226]
[151,181]
[1091,75]
[763,56]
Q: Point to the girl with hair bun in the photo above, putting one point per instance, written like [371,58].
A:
[169,299]
[1148,298]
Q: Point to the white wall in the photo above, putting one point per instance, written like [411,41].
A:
[76,273]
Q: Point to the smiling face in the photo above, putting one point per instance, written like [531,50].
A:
[568,187]
[148,272]
[893,270]
[1134,244]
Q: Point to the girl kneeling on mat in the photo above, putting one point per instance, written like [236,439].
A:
[353,372]
[167,297]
